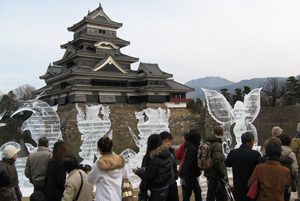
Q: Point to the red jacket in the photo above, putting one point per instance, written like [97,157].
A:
[180,153]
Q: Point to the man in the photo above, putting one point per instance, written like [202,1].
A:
[218,170]
[173,190]
[295,145]
[243,161]
[37,164]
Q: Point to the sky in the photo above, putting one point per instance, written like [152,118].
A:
[233,39]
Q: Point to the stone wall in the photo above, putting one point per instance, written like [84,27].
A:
[122,116]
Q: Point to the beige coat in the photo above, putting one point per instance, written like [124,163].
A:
[73,184]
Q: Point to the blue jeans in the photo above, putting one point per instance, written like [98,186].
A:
[213,190]
[159,195]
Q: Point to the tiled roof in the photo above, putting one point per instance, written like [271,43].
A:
[100,20]
[95,38]
[177,86]
[152,69]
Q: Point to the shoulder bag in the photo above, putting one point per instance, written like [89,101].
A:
[79,188]
[253,191]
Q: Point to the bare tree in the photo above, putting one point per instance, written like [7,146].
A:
[274,88]
[24,92]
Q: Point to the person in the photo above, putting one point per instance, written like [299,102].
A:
[37,196]
[4,178]
[12,191]
[37,164]
[276,131]
[218,170]
[76,184]
[295,146]
[190,169]
[56,174]
[243,161]
[158,164]
[180,156]
[287,152]
[87,169]
[107,172]
[173,190]
[273,177]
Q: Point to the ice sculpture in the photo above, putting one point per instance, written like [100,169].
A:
[44,122]
[157,122]
[243,114]
[92,128]
[1,116]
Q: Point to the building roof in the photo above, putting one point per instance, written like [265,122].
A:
[151,69]
[177,86]
[97,17]
[93,38]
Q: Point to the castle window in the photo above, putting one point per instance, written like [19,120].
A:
[101,31]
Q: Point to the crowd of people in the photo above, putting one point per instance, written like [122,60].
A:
[57,176]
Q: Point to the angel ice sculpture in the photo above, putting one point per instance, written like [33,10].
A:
[242,114]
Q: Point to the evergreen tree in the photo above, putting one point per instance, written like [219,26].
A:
[292,91]
[238,96]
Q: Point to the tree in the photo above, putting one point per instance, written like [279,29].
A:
[225,93]
[8,102]
[246,90]
[24,92]
[238,96]
[195,106]
[292,91]
[274,89]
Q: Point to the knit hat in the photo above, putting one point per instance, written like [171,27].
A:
[276,130]
[298,128]
[9,151]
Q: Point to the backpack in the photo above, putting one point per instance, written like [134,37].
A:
[204,156]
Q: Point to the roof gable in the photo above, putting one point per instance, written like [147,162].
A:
[109,61]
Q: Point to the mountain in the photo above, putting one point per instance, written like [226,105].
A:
[206,82]
[214,84]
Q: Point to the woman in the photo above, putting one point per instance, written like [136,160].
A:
[107,173]
[190,167]
[11,192]
[75,179]
[273,177]
[56,174]
[157,162]
[289,154]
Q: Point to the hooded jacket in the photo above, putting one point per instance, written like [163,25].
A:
[4,178]
[158,171]
[218,158]
[107,173]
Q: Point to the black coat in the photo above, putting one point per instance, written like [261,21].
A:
[190,167]
[55,181]
[4,178]
[243,161]
[158,170]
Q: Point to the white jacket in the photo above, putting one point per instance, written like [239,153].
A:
[107,173]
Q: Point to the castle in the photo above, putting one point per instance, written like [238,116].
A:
[94,70]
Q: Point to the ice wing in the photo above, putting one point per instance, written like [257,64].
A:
[252,104]
[218,106]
